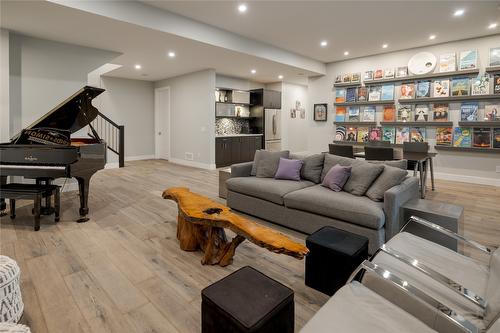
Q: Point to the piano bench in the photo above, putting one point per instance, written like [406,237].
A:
[35,192]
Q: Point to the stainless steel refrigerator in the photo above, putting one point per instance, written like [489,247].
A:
[272,130]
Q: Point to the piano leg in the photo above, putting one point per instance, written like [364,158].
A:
[3,205]
[83,186]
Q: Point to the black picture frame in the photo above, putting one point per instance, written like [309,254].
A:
[320,112]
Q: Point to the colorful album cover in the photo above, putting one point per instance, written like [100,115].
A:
[340,133]
[469,111]
[355,77]
[389,73]
[402,135]
[346,78]
[481,85]
[352,133]
[494,57]
[492,112]
[362,94]
[388,134]
[460,86]
[351,94]
[375,134]
[339,95]
[379,74]
[496,138]
[404,113]
[363,134]
[444,136]
[468,60]
[447,62]
[389,113]
[441,88]
[440,112]
[496,84]
[368,76]
[462,137]
[369,113]
[402,71]
[387,92]
[407,90]
[375,93]
[421,112]
[340,113]
[417,134]
[353,113]
[482,137]
[423,89]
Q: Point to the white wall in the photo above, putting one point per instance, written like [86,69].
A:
[4,86]
[130,103]
[293,135]
[43,73]
[192,118]
[472,167]
[222,81]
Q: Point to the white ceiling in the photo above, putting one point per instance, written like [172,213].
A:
[360,27]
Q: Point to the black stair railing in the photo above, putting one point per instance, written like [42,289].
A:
[112,133]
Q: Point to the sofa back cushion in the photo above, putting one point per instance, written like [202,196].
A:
[493,288]
[312,168]
[271,161]
[332,160]
[363,175]
[401,164]
[389,178]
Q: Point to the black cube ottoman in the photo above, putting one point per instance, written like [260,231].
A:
[247,301]
[334,255]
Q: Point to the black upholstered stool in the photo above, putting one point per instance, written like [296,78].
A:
[334,255]
[247,301]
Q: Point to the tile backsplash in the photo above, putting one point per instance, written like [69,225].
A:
[228,126]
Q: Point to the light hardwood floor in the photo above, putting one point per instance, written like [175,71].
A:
[123,270]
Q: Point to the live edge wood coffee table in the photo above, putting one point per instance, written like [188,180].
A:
[201,223]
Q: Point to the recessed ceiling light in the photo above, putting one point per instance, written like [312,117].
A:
[253,71]
[138,66]
[459,12]
[346,53]
[384,46]
[493,25]
[324,43]
[171,54]
[431,37]
[242,8]
[280,77]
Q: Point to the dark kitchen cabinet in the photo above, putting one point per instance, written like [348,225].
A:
[269,99]
[238,149]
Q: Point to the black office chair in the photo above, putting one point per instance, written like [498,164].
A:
[341,150]
[379,153]
[415,147]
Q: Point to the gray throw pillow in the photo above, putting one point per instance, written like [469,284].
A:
[312,167]
[272,156]
[389,178]
[332,160]
[401,164]
[363,174]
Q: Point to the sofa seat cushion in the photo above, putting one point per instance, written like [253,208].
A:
[269,189]
[338,205]
[355,308]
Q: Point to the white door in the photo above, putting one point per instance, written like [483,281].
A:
[162,123]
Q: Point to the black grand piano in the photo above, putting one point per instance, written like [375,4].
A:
[45,150]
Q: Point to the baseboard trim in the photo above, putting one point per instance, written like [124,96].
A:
[113,165]
[193,164]
[467,179]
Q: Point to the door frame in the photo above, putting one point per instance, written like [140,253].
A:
[157,121]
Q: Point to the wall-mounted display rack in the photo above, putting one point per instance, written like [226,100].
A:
[355,143]
[495,69]
[388,102]
[347,85]
[485,124]
[355,123]
[418,123]
[449,99]
[469,149]
[411,78]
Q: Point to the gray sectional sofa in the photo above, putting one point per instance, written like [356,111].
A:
[306,205]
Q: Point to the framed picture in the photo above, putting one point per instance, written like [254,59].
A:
[320,112]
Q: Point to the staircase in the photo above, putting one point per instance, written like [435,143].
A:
[112,133]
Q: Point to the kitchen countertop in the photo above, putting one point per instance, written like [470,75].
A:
[235,135]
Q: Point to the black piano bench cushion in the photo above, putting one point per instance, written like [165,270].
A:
[333,257]
[247,301]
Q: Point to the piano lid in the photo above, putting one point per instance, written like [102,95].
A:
[72,114]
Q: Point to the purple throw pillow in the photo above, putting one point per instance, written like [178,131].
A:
[336,177]
[289,169]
